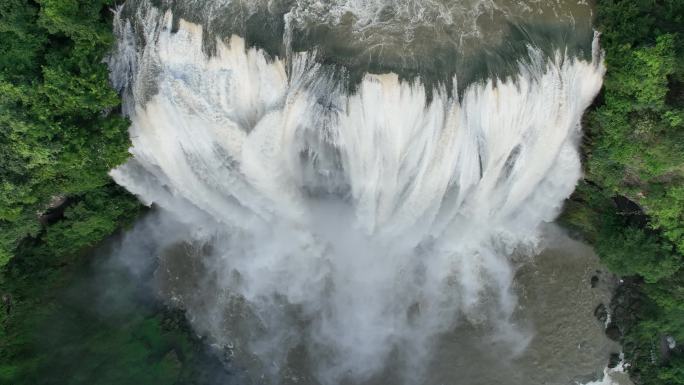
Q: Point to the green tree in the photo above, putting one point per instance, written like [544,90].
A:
[634,147]
[60,131]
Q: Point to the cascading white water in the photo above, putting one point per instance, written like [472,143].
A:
[379,218]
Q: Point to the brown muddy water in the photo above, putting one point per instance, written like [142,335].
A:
[558,291]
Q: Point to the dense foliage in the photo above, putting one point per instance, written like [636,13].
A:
[631,205]
[58,135]
[76,320]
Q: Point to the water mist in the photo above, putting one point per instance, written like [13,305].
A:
[348,225]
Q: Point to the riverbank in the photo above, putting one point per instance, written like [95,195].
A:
[95,319]
[630,206]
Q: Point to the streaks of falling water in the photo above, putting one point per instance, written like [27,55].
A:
[347,224]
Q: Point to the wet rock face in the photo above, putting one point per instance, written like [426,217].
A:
[594,281]
[624,304]
[54,210]
[630,210]
[614,360]
[601,313]
[613,331]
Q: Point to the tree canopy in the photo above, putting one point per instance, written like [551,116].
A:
[634,147]
[60,132]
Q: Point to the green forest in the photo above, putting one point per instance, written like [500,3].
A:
[61,131]
[630,206]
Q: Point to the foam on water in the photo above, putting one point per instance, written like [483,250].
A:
[348,224]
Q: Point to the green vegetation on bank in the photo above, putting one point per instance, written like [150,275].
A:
[59,132]
[631,205]
[76,321]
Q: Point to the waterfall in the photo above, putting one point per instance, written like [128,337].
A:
[349,224]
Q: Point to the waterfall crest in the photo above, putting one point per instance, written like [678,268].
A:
[347,223]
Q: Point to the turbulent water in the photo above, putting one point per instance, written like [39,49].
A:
[349,218]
